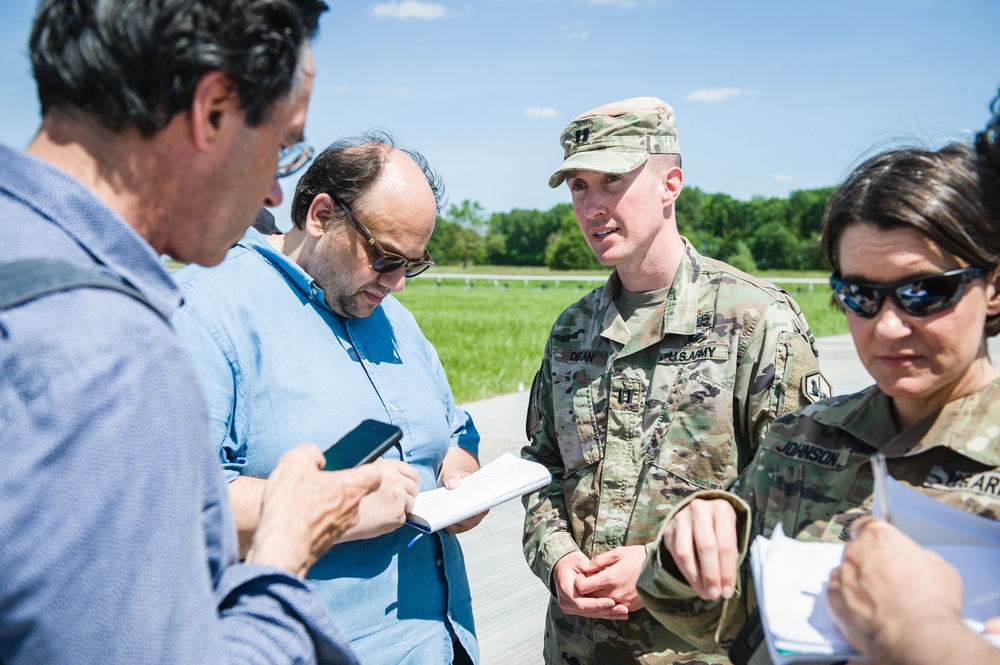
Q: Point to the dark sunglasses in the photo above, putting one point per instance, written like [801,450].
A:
[922,296]
[387,261]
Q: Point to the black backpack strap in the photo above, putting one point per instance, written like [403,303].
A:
[27,279]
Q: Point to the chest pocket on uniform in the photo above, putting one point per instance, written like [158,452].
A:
[694,438]
[817,498]
[576,401]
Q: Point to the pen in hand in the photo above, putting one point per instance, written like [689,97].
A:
[881,507]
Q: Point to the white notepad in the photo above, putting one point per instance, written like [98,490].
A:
[505,478]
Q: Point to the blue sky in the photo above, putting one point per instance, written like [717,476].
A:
[770,96]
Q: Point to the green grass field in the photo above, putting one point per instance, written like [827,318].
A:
[490,337]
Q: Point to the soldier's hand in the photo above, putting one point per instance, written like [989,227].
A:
[566,575]
[701,538]
[305,510]
[614,575]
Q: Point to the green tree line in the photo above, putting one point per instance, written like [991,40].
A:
[759,234]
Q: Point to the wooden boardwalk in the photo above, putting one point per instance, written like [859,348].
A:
[508,601]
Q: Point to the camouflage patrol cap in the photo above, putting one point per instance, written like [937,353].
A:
[617,137]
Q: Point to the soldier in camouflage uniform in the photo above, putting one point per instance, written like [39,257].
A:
[916,268]
[654,386]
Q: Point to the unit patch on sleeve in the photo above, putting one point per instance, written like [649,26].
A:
[815,387]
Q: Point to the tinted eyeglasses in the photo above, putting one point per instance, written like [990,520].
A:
[922,296]
[387,261]
[294,157]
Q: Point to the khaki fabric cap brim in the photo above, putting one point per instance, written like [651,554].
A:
[602,161]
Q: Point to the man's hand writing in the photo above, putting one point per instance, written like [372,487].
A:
[385,509]
[305,510]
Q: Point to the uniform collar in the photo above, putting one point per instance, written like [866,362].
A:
[957,426]
[677,315]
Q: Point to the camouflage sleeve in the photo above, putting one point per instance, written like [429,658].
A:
[708,625]
[546,525]
[778,370]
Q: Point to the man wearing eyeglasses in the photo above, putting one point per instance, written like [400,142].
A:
[660,383]
[297,337]
[161,122]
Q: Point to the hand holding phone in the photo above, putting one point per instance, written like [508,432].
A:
[365,443]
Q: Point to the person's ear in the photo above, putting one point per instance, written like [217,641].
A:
[673,182]
[993,292]
[321,212]
[214,110]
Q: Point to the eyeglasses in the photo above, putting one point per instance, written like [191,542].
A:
[387,261]
[294,157]
[922,296]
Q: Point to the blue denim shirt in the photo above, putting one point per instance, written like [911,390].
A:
[117,542]
[280,368]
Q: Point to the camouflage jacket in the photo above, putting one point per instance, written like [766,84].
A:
[629,424]
[812,474]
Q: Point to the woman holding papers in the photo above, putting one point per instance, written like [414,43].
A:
[893,600]
[915,258]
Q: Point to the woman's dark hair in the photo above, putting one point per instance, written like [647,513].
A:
[137,62]
[935,193]
[348,168]
[988,151]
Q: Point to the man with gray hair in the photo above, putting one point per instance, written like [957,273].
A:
[298,336]
[661,382]
[164,127]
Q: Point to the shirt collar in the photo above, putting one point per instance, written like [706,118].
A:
[298,278]
[88,221]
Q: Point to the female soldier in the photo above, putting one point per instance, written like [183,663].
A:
[915,258]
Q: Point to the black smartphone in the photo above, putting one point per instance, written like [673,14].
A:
[365,443]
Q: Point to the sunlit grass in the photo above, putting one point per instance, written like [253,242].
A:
[490,338]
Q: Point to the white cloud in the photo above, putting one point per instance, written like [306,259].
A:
[715,95]
[427,11]
[781,177]
[541,112]
[574,31]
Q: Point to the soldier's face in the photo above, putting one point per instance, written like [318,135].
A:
[621,216]
[922,362]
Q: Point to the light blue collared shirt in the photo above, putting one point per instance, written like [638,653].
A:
[279,368]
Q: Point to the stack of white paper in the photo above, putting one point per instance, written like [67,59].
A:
[791,576]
